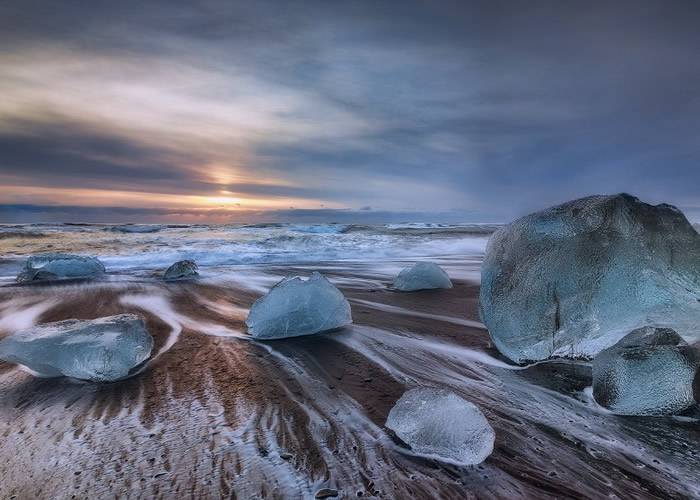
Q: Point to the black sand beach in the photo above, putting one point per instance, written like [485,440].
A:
[214,414]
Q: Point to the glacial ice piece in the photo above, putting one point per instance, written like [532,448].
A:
[422,276]
[54,266]
[181,269]
[573,279]
[100,350]
[650,371]
[295,307]
[136,228]
[440,424]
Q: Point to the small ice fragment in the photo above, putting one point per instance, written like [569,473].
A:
[422,276]
[326,493]
[100,350]
[295,307]
[136,228]
[650,371]
[181,269]
[54,266]
[440,424]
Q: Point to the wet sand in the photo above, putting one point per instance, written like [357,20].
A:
[214,414]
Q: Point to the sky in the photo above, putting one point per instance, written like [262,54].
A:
[376,111]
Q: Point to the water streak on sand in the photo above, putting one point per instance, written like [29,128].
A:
[22,312]
[408,312]
[160,307]
[458,353]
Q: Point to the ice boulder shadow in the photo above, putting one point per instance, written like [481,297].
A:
[100,350]
[422,276]
[573,279]
[438,424]
[651,371]
[59,266]
[296,307]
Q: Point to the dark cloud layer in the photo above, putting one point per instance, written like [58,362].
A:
[483,109]
[20,214]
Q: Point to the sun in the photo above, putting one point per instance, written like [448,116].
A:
[221,200]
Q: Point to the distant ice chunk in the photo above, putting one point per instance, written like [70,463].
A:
[54,266]
[181,269]
[440,424]
[295,307]
[136,228]
[422,276]
[99,350]
[649,372]
[573,279]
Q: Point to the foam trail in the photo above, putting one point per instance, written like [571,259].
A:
[224,308]
[17,317]
[161,308]
[254,281]
[407,312]
[389,339]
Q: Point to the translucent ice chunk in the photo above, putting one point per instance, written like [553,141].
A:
[181,269]
[295,307]
[100,350]
[136,228]
[439,424]
[573,279]
[649,372]
[422,276]
[53,266]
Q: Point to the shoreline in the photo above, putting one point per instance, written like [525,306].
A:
[215,415]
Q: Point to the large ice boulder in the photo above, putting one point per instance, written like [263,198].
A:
[100,350]
[440,424]
[295,307]
[55,266]
[422,276]
[573,279]
[649,372]
[181,269]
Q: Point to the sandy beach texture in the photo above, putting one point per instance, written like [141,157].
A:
[214,414]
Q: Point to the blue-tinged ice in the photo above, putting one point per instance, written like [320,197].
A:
[573,279]
[99,350]
[440,424]
[137,228]
[295,307]
[181,269]
[649,372]
[55,266]
[422,276]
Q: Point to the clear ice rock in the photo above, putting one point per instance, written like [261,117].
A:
[136,228]
[99,350]
[295,307]
[440,424]
[573,279]
[181,269]
[649,372]
[422,276]
[55,266]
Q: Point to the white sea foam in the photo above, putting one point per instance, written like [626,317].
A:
[23,312]
[416,314]
[241,245]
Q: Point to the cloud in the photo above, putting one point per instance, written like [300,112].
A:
[479,107]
